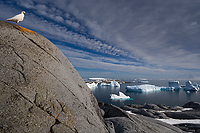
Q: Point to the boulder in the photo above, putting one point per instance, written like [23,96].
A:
[163,106]
[146,112]
[184,115]
[151,106]
[40,90]
[130,123]
[175,108]
[194,105]
[192,128]
[112,110]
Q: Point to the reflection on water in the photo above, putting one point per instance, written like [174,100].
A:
[191,94]
[170,98]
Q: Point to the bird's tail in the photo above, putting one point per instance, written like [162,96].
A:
[8,19]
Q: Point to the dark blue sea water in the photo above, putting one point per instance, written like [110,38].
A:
[170,98]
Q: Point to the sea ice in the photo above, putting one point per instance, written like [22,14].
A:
[105,84]
[129,112]
[179,121]
[143,88]
[120,96]
[173,85]
[97,79]
[145,81]
[115,84]
[92,85]
[181,110]
[167,88]
[191,87]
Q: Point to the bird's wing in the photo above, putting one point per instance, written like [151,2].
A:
[18,17]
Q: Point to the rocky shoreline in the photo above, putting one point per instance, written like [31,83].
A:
[128,118]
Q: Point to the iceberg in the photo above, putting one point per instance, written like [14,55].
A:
[167,88]
[191,87]
[121,96]
[115,84]
[97,79]
[143,81]
[105,84]
[92,85]
[143,88]
[174,85]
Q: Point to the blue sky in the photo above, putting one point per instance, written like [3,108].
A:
[121,39]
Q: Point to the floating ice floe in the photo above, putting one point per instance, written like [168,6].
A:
[97,79]
[121,96]
[143,81]
[92,85]
[143,88]
[173,85]
[191,87]
[115,84]
[105,84]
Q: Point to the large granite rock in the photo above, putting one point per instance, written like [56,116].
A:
[131,123]
[194,105]
[40,91]
[190,110]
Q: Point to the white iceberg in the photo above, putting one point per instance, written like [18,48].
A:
[104,84]
[143,88]
[195,84]
[191,87]
[174,85]
[92,85]
[115,84]
[119,97]
[97,79]
[145,81]
[168,88]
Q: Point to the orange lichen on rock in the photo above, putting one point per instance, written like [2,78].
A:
[57,116]
[26,30]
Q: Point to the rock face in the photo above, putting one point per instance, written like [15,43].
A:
[189,111]
[132,123]
[194,105]
[40,91]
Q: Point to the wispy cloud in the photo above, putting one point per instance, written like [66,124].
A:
[126,68]
[156,38]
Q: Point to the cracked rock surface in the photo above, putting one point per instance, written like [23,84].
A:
[124,122]
[40,91]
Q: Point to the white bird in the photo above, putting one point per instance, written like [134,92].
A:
[18,18]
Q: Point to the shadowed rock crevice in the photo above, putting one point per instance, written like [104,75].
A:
[62,82]
[42,48]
